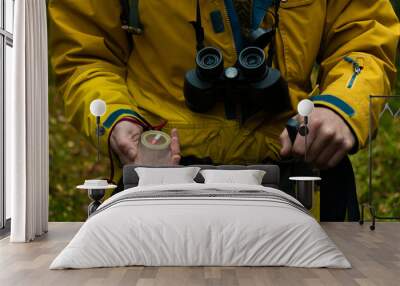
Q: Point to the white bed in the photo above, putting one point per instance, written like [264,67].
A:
[201,225]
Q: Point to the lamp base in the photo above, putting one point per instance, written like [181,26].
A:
[96,195]
[304,190]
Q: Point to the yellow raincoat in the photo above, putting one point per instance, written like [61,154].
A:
[92,59]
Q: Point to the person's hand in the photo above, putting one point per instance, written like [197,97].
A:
[125,138]
[328,141]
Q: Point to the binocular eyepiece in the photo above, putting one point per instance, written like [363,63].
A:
[252,63]
[209,63]
[250,83]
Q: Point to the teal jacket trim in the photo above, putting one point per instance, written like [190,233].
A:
[336,102]
[113,116]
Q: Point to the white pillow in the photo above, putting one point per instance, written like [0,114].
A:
[166,176]
[248,177]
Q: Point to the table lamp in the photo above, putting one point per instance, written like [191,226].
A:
[97,109]
[305,108]
[305,185]
[96,188]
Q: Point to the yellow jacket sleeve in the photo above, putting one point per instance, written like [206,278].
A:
[357,59]
[89,54]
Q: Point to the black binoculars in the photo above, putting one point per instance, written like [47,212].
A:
[251,83]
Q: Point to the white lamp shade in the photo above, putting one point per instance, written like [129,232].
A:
[305,107]
[98,107]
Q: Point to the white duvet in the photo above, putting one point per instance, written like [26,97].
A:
[203,231]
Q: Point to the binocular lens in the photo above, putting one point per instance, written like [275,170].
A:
[252,62]
[209,62]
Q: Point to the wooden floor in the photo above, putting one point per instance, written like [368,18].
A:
[375,257]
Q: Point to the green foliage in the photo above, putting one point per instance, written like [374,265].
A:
[385,165]
[72,159]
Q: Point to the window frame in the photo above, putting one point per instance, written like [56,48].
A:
[6,39]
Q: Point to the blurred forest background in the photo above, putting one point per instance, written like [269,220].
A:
[73,159]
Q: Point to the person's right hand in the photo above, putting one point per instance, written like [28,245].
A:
[125,138]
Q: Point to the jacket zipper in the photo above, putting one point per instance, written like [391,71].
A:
[228,21]
[228,17]
[357,68]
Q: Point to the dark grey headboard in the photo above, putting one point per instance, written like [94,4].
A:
[271,177]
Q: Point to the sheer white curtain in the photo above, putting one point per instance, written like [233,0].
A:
[27,124]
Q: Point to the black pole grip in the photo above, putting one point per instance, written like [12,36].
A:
[292,127]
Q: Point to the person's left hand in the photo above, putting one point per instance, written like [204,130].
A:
[329,139]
